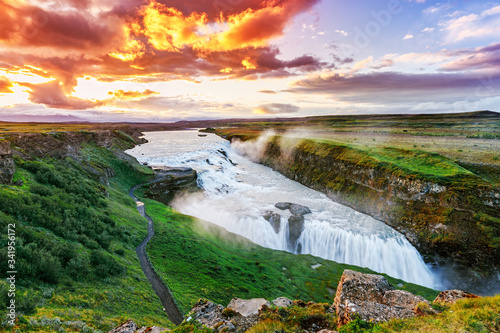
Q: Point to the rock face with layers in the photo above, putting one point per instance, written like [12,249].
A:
[171,181]
[372,298]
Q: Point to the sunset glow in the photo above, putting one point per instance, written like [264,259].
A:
[118,60]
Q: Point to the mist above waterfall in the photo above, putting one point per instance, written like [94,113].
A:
[238,193]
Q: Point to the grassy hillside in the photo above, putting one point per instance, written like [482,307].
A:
[201,260]
[75,247]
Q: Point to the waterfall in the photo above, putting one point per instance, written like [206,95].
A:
[237,193]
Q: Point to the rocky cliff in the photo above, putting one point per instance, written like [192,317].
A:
[443,217]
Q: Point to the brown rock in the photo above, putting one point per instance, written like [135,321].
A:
[451,296]
[372,298]
[127,327]
[403,299]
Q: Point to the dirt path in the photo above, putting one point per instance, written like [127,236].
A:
[159,287]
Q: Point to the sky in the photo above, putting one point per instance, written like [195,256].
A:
[169,60]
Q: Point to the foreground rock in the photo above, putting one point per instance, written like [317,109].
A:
[247,307]
[131,327]
[171,181]
[372,298]
[451,296]
[239,316]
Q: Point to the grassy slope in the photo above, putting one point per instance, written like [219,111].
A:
[98,302]
[469,315]
[201,260]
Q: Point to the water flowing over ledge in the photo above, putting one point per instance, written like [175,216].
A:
[238,191]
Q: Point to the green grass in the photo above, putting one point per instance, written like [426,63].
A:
[201,260]
[408,162]
[74,295]
[468,315]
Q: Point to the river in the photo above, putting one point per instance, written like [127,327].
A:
[236,193]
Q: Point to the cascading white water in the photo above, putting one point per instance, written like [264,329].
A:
[237,192]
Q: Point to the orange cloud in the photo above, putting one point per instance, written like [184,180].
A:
[169,30]
[125,95]
[143,40]
[53,94]
[5,85]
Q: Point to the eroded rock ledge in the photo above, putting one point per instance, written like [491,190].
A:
[170,181]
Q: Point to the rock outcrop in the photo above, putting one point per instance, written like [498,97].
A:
[372,298]
[220,319]
[274,219]
[7,166]
[247,307]
[451,296]
[131,327]
[295,222]
[169,182]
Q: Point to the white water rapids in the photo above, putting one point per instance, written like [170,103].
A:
[237,192]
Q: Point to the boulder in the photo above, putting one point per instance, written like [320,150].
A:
[211,315]
[451,296]
[127,327]
[282,302]
[295,209]
[372,298]
[154,329]
[274,219]
[130,327]
[283,205]
[247,307]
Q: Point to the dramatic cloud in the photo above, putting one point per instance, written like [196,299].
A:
[395,87]
[52,94]
[5,85]
[145,41]
[276,108]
